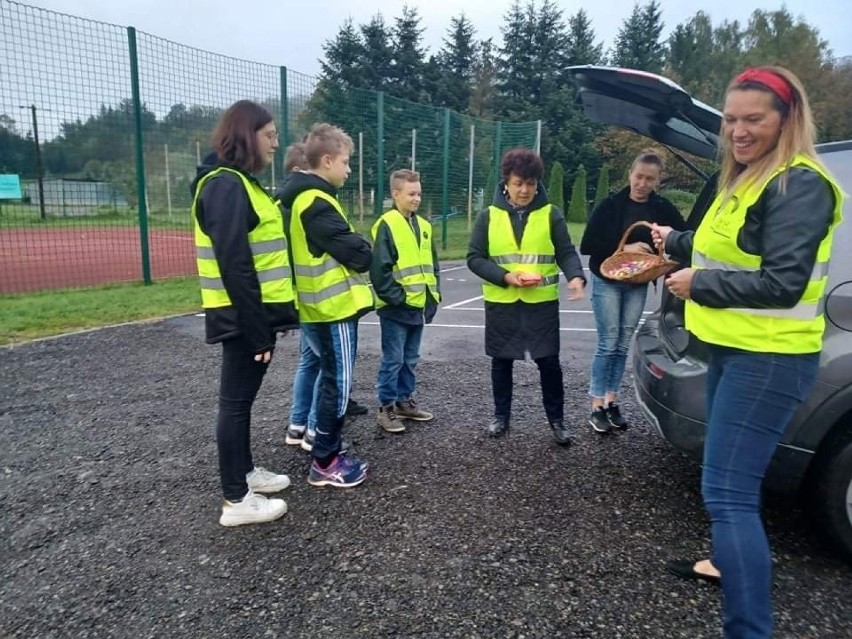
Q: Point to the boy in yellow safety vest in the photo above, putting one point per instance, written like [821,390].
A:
[405,279]
[329,258]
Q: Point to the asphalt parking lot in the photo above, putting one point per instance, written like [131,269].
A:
[109,501]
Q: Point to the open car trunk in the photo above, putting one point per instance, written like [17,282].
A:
[659,109]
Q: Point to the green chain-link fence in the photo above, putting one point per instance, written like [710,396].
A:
[102,127]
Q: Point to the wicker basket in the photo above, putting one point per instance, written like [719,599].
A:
[636,268]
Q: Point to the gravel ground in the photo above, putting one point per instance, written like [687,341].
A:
[109,503]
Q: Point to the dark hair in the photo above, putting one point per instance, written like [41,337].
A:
[524,163]
[234,139]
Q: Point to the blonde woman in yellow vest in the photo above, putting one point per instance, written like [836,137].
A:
[247,295]
[518,246]
[754,294]
[329,263]
[406,282]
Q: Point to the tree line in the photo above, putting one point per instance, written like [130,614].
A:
[519,77]
[523,76]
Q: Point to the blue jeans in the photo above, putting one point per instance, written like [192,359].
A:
[618,308]
[751,398]
[400,354]
[335,346]
[303,409]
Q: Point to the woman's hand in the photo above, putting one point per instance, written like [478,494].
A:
[576,289]
[513,279]
[638,247]
[679,283]
[659,234]
[265,357]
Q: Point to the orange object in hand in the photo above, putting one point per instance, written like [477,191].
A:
[529,279]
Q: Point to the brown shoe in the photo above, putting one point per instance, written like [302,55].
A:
[387,419]
[409,410]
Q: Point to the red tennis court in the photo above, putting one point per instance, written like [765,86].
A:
[43,259]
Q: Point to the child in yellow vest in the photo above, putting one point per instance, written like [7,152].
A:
[406,282]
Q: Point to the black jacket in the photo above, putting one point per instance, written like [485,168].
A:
[785,229]
[225,213]
[608,223]
[327,231]
[511,330]
[385,255]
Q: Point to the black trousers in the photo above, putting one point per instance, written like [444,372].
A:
[239,382]
[552,390]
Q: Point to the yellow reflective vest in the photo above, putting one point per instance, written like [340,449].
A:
[326,290]
[414,269]
[268,248]
[770,330]
[536,254]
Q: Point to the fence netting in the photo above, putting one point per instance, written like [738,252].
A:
[95,176]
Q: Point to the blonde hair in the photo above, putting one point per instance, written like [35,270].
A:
[798,135]
[400,176]
[295,158]
[326,139]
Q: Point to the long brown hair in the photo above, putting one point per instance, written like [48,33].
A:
[798,135]
[235,139]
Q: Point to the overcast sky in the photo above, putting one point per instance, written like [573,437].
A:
[288,33]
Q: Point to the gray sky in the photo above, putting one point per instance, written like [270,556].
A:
[290,33]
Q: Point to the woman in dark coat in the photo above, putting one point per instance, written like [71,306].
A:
[518,245]
[618,305]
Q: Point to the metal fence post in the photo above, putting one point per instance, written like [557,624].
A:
[470,178]
[283,122]
[498,142]
[380,154]
[140,157]
[445,179]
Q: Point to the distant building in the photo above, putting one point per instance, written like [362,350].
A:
[74,198]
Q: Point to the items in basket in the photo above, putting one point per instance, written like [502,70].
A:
[627,269]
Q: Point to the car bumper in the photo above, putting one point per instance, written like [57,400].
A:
[670,393]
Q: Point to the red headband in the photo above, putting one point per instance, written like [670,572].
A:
[771,80]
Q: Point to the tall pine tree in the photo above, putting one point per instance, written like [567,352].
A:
[638,44]
[457,65]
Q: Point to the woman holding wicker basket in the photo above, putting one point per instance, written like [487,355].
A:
[754,294]
[619,229]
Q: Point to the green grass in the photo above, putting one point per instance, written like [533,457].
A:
[27,216]
[34,315]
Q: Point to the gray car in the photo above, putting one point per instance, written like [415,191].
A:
[814,457]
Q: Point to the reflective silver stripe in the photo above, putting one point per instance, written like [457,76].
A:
[258,248]
[316,271]
[414,288]
[524,258]
[325,294]
[411,270]
[801,311]
[211,283]
[550,280]
[268,246]
[700,260]
[215,283]
[272,274]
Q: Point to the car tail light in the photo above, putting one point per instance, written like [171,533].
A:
[656,371]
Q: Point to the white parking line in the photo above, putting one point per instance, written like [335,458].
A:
[463,302]
[452,268]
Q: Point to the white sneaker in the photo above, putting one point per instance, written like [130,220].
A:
[253,509]
[261,480]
